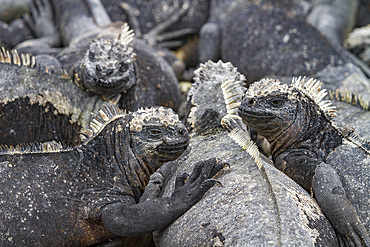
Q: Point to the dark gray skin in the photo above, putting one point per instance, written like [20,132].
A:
[267,38]
[14,33]
[89,194]
[36,106]
[162,23]
[103,66]
[252,208]
[306,147]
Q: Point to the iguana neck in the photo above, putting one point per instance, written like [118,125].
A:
[309,130]
[110,151]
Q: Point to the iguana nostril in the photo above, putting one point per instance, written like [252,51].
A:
[181,131]
[251,101]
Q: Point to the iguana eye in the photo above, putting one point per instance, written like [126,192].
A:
[155,132]
[123,67]
[276,102]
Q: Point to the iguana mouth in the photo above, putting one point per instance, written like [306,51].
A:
[244,112]
[173,147]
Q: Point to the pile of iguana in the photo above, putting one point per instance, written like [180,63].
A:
[330,162]
[251,208]
[86,195]
[107,60]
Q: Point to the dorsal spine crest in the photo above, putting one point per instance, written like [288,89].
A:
[12,57]
[312,90]
[126,35]
[45,147]
[352,98]
[107,115]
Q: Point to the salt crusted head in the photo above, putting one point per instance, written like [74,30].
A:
[271,106]
[154,115]
[157,133]
[108,66]
[153,135]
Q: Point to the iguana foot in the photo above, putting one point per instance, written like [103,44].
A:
[190,189]
[158,35]
[40,20]
[333,201]
[153,188]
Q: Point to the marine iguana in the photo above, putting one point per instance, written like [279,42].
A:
[87,194]
[107,60]
[272,38]
[249,210]
[306,145]
[37,105]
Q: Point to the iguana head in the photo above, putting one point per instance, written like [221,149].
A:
[271,107]
[107,68]
[268,106]
[157,134]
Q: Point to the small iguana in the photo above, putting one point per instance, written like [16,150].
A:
[330,162]
[90,193]
[107,60]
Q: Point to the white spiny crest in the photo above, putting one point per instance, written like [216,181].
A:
[45,147]
[352,98]
[217,72]
[243,140]
[241,137]
[107,115]
[312,89]
[227,76]
[13,57]
[233,92]
[126,35]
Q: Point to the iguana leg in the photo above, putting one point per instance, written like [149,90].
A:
[132,14]
[41,22]
[209,42]
[138,219]
[154,187]
[158,36]
[99,13]
[333,201]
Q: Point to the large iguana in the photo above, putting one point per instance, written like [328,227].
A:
[272,38]
[104,60]
[252,208]
[306,145]
[40,106]
[90,193]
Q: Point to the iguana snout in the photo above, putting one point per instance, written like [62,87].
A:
[107,68]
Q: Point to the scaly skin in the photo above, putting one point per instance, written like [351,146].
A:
[100,62]
[40,106]
[298,125]
[89,194]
